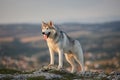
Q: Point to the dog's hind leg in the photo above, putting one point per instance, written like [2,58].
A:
[70,59]
[80,63]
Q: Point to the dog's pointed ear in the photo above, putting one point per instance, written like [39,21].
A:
[43,23]
[50,24]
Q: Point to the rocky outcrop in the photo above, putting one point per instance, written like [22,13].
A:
[51,73]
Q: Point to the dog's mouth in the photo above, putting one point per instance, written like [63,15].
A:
[45,36]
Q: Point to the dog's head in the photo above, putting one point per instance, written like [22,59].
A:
[48,29]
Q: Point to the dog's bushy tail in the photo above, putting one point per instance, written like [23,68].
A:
[80,55]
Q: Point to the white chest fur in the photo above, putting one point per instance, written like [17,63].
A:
[52,45]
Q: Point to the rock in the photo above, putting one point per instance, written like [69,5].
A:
[52,72]
[34,74]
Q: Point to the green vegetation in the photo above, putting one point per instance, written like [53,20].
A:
[10,71]
[14,71]
[16,47]
[66,75]
[36,78]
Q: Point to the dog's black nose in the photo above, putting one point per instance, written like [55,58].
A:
[43,32]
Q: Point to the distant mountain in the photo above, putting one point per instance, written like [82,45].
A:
[115,26]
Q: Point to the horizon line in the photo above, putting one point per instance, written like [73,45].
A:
[56,22]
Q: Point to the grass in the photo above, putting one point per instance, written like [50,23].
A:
[13,71]
[36,78]
[9,71]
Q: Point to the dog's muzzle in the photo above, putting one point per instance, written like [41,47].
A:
[45,35]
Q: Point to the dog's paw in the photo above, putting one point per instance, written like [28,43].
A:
[50,65]
[59,67]
[44,68]
[48,68]
[73,71]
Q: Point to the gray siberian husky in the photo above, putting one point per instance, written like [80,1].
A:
[60,42]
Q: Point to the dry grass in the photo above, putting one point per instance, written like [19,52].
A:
[6,39]
[31,39]
[76,34]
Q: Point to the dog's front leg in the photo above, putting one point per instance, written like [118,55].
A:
[60,53]
[51,57]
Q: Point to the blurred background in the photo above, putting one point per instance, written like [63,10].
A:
[95,23]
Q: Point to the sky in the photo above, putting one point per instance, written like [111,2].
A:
[59,11]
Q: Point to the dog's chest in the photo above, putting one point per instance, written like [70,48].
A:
[53,45]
